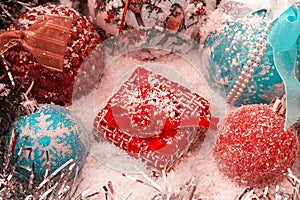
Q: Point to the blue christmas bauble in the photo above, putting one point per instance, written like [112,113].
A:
[241,61]
[52,129]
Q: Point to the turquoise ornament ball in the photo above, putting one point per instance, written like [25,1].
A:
[241,61]
[52,129]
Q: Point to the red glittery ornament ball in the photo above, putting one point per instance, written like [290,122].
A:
[50,85]
[252,148]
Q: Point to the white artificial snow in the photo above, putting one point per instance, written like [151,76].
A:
[106,162]
[275,7]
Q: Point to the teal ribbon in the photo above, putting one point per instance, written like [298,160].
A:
[283,39]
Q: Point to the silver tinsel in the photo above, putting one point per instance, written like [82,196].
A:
[280,193]
[166,192]
[18,182]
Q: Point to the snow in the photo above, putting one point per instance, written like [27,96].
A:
[107,163]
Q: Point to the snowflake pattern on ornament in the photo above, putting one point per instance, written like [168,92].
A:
[46,139]
[53,133]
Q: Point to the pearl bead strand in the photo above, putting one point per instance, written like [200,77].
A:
[257,51]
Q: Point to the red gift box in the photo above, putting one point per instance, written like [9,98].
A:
[153,118]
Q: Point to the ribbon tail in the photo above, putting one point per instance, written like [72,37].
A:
[292,106]
[285,62]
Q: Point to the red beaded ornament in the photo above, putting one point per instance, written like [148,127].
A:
[54,84]
[153,118]
[253,148]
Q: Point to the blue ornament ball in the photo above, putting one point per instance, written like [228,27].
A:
[241,61]
[52,129]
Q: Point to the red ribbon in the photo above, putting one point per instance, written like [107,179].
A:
[150,135]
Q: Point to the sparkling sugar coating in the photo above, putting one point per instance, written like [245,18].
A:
[153,118]
[51,129]
[252,148]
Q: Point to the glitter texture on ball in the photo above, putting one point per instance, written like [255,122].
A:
[241,60]
[252,147]
[53,84]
